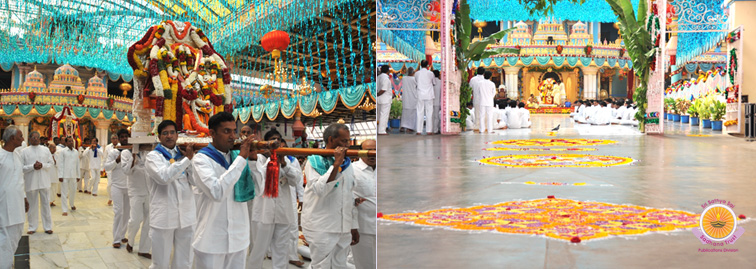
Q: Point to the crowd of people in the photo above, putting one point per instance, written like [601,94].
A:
[421,100]
[490,110]
[208,208]
[605,112]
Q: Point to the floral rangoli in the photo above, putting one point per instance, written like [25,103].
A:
[699,135]
[566,142]
[555,218]
[556,160]
[541,149]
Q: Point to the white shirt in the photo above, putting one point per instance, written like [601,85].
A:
[117,175]
[329,207]
[68,163]
[172,203]
[487,92]
[136,176]
[525,116]
[620,112]
[83,160]
[106,151]
[475,89]
[95,163]
[384,83]
[36,179]
[409,93]
[222,223]
[437,92]
[425,82]
[514,119]
[11,190]
[277,210]
[365,187]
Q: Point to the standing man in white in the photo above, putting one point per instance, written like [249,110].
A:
[222,234]
[37,159]
[487,92]
[120,191]
[172,207]
[272,216]
[425,82]
[139,202]
[329,216]
[52,173]
[84,165]
[12,196]
[384,99]
[409,101]
[113,143]
[68,172]
[96,157]
[476,95]
[365,192]
[436,102]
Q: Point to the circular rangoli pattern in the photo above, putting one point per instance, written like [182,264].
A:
[540,149]
[562,219]
[566,142]
[556,160]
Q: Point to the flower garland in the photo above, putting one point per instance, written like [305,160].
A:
[733,69]
[733,36]
[32,95]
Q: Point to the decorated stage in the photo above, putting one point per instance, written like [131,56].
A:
[550,110]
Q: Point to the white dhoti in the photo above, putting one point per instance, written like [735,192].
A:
[383,117]
[234,260]
[140,214]
[364,252]
[277,238]
[9,237]
[54,188]
[165,241]
[94,183]
[409,118]
[39,198]
[328,250]
[424,109]
[68,193]
[84,183]
[486,119]
[121,212]
[436,119]
[476,114]
[293,243]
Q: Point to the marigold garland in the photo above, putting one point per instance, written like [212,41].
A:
[556,160]
[733,69]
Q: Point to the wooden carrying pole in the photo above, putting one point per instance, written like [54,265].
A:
[286,151]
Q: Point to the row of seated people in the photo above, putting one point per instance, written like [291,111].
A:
[605,112]
[508,114]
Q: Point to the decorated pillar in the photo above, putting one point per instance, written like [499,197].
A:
[511,79]
[101,131]
[590,82]
[450,76]
[23,124]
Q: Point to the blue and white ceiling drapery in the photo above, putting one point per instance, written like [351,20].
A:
[512,10]
[699,15]
[399,15]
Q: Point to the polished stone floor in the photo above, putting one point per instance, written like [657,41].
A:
[674,171]
[83,239]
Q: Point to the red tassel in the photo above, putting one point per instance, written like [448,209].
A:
[271,176]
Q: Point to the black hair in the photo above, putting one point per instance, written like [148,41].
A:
[333,131]
[95,139]
[164,124]
[469,104]
[215,121]
[602,103]
[481,70]
[487,75]
[436,73]
[272,133]
[521,105]
[87,139]
[424,64]
[513,104]
[384,68]
[122,131]
[67,137]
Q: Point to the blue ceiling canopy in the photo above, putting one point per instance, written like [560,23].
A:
[512,10]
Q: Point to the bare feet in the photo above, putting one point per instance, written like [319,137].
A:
[110,202]
[65,213]
[117,245]
[299,264]
[129,248]
[94,194]
[146,255]
[49,232]
[124,240]
[30,232]
[73,208]
[52,204]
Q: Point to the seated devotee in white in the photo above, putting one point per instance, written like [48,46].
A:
[514,119]
[602,116]
[470,120]
[588,113]
[525,120]
[629,118]
[501,118]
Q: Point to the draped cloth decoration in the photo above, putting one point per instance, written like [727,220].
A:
[512,60]
[271,109]
[543,60]
[699,15]
[589,11]
[572,61]
[8,109]
[599,61]
[558,60]
[586,61]
[24,109]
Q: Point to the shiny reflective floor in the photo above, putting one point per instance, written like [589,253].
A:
[675,171]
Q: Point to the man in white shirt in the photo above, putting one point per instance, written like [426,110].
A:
[272,216]
[68,172]
[476,94]
[487,92]
[119,191]
[84,165]
[576,110]
[525,122]
[436,102]
[409,101]
[384,96]
[366,196]
[12,196]
[37,159]
[329,216]
[133,167]
[172,207]
[113,143]
[602,115]
[52,173]
[222,234]
[501,113]
[514,119]
[425,82]
[96,156]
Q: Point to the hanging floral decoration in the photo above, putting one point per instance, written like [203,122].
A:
[588,49]
[733,36]
[733,69]
[32,95]
[80,98]
[559,49]
[111,102]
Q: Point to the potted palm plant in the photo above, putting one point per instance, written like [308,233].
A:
[395,113]
[718,110]
[682,107]
[675,110]
[693,112]
[703,111]
[668,104]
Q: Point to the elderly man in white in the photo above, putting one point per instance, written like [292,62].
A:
[476,95]
[425,96]
[114,142]
[133,167]
[68,173]
[96,157]
[12,196]
[119,189]
[385,96]
[172,207]
[272,216]
[329,216]
[222,234]
[365,191]
[37,159]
